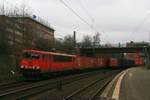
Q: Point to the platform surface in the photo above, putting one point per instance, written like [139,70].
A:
[135,85]
[131,84]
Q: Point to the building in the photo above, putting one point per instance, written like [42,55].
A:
[135,44]
[26,32]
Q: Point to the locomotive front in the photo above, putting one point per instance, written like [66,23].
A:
[30,63]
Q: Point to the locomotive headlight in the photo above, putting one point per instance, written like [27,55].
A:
[25,66]
[21,66]
[37,67]
[33,67]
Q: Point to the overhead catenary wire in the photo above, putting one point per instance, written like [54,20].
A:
[73,11]
[81,18]
[86,11]
[89,15]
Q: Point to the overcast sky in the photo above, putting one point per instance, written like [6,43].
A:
[116,20]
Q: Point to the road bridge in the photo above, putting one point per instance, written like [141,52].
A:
[91,51]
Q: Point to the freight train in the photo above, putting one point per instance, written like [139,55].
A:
[36,63]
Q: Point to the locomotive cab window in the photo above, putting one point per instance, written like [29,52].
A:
[44,56]
[59,58]
[30,55]
[36,56]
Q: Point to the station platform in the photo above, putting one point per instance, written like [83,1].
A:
[130,84]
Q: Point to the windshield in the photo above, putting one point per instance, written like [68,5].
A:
[30,55]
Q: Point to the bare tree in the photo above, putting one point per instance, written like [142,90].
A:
[87,41]
[43,44]
[96,39]
[68,43]
[58,45]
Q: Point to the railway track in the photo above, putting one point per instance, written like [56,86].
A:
[91,90]
[87,88]
[10,85]
[23,90]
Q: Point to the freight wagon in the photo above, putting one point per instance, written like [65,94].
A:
[126,63]
[139,61]
[113,63]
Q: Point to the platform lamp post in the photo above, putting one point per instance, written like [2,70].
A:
[147,57]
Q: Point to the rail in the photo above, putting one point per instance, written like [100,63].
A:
[39,87]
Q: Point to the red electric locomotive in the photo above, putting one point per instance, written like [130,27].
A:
[37,62]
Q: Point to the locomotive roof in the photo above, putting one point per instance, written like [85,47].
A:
[53,53]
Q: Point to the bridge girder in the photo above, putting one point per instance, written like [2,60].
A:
[85,51]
